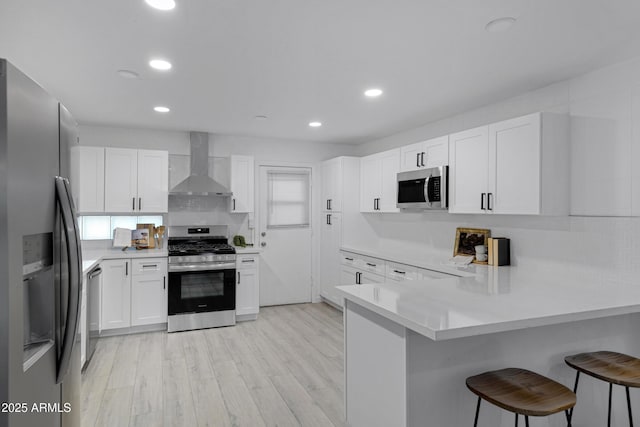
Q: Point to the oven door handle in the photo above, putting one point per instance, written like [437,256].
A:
[201,267]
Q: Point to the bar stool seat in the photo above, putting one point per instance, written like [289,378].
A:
[522,392]
[611,367]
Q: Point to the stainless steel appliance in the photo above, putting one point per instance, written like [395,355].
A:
[202,273]
[94,283]
[424,189]
[40,258]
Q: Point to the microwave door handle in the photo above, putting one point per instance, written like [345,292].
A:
[444,187]
[426,189]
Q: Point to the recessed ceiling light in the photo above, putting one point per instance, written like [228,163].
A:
[315,124]
[128,74]
[160,64]
[372,93]
[161,4]
[261,118]
[161,109]
[501,24]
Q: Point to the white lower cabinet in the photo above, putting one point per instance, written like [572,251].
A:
[133,292]
[356,269]
[148,291]
[247,286]
[330,240]
[116,294]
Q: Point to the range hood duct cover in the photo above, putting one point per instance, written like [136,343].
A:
[199,183]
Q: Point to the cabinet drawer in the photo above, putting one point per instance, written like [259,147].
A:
[148,266]
[348,258]
[374,265]
[244,262]
[399,272]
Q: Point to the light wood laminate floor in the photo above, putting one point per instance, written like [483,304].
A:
[285,369]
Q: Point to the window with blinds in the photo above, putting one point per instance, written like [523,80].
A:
[288,199]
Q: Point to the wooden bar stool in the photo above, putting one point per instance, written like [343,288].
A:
[614,368]
[522,392]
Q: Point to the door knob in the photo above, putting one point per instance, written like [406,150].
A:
[263,233]
[263,244]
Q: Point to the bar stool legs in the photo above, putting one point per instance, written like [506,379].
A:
[611,367]
[526,417]
[575,389]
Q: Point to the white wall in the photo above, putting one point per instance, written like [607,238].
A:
[602,238]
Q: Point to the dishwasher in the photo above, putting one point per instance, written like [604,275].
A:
[94,286]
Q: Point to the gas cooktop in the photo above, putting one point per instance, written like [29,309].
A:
[197,240]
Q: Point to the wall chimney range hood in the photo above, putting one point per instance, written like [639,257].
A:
[199,183]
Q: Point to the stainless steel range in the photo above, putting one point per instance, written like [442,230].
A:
[202,271]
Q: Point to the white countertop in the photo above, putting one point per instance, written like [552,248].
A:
[247,250]
[501,299]
[91,257]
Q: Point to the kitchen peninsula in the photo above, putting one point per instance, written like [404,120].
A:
[409,347]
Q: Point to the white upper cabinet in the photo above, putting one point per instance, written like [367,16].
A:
[136,180]
[87,178]
[121,180]
[468,170]
[153,180]
[378,181]
[242,184]
[425,154]
[332,185]
[518,166]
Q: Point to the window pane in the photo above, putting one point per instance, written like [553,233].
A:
[123,222]
[96,228]
[288,199]
[155,219]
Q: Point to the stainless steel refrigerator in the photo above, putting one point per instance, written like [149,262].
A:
[40,258]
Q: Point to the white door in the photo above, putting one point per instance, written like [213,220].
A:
[120,180]
[330,241]
[285,235]
[370,183]
[514,176]
[153,181]
[389,168]
[242,184]
[469,170]
[411,157]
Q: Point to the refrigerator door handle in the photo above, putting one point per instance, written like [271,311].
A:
[74,257]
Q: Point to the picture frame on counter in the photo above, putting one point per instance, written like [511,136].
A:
[467,239]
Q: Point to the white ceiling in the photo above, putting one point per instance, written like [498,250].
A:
[296,61]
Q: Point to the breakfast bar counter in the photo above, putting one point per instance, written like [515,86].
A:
[410,346]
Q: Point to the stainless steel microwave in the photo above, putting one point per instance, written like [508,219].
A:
[424,188]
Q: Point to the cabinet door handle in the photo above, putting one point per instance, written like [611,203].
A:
[164,282]
[371,265]
[248,260]
[133,203]
[399,272]
[330,203]
[139,203]
[348,259]
[238,277]
[417,159]
[329,219]
[126,268]
[482,196]
[489,197]
[358,278]
[234,204]
[149,265]
[422,158]
[327,204]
